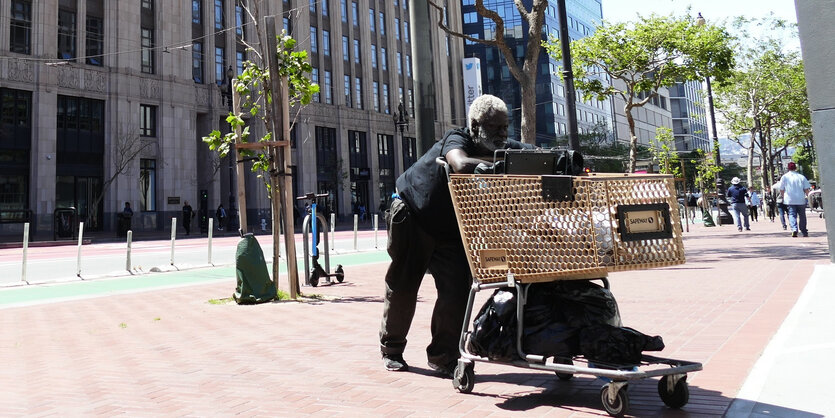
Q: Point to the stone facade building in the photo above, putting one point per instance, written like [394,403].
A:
[89,85]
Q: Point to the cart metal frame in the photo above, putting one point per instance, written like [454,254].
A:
[672,386]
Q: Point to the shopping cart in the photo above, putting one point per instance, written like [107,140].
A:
[523,229]
[816,202]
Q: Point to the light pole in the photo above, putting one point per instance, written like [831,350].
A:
[226,92]
[724,217]
[401,123]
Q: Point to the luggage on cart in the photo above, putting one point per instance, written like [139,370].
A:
[523,231]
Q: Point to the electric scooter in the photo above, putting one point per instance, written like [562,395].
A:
[310,224]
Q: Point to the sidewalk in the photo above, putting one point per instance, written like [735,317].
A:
[169,351]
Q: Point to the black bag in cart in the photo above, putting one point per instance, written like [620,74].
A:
[616,345]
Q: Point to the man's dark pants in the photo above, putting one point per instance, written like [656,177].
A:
[412,251]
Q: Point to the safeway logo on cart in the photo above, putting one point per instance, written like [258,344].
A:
[493,259]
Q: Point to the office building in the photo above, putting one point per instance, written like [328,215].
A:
[551,120]
[85,84]
[689,120]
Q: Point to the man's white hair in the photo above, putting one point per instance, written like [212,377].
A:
[483,105]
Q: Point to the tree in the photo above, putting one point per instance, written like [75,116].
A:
[527,72]
[667,158]
[641,57]
[124,150]
[765,97]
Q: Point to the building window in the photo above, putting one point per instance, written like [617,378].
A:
[408,66]
[148,4]
[314,46]
[147,50]
[373,56]
[358,91]
[347,90]
[197,12]
[409,152]
[326,43]
[147,185]
[345,52]
[356,51]
[197,62]
[218,14]
[240,57]
[376,96]
[239,21]
[397,28]
[95,40]
[66,34]
[386,106]
[382,23]
[20,28]
[312,6]
[344,7]
[314,75]
[355,18]
[220,73]
[328,88]
[148,121]
[372,17]
[324,7]
[384,62]
[406,32]
[399,63]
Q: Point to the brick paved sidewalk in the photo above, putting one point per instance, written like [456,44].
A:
[169,352]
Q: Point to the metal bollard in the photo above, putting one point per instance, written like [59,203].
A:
[127,261]
[356,224]
[80,239]
[376,219]
[173,237]
[211,228]
[333,234]
[25,251]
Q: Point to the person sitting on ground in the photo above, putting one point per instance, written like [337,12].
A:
[423,234]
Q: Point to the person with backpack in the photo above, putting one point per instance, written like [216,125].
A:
[220,214]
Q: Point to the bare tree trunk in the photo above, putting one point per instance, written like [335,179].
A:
[528,97]
[633,139]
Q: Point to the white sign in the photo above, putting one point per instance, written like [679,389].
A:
[472,82]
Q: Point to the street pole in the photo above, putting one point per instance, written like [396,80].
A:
[424,112]
[724,216]
[568,78]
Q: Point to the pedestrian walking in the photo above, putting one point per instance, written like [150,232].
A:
[737,195]
[778,199]
[753,204]
[770,205]
[220,214]
[188,213]
[794,187]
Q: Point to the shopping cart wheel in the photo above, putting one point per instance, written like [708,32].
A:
[314,277]
[680,394]
[340,275]
[618,406]
[463,379]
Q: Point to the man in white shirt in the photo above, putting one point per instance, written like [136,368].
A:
[794,187]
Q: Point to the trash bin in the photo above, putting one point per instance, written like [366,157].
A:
[64,221]
[254,284]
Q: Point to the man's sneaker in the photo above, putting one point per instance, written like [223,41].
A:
[794,234]
[740,229]
[784,228]
[806,235]
[447,370]
[395,363]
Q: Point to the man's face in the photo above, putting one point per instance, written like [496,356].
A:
[492,131]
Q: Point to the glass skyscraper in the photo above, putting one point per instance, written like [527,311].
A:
[551,118]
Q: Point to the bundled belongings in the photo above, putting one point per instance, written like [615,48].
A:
[561,319]
[254,284]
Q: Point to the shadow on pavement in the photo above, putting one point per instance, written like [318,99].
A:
[583,393]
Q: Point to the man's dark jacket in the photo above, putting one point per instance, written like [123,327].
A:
[423,187]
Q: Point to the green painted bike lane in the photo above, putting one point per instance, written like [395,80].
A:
[55,292]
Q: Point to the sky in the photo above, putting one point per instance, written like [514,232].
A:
[624,10]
